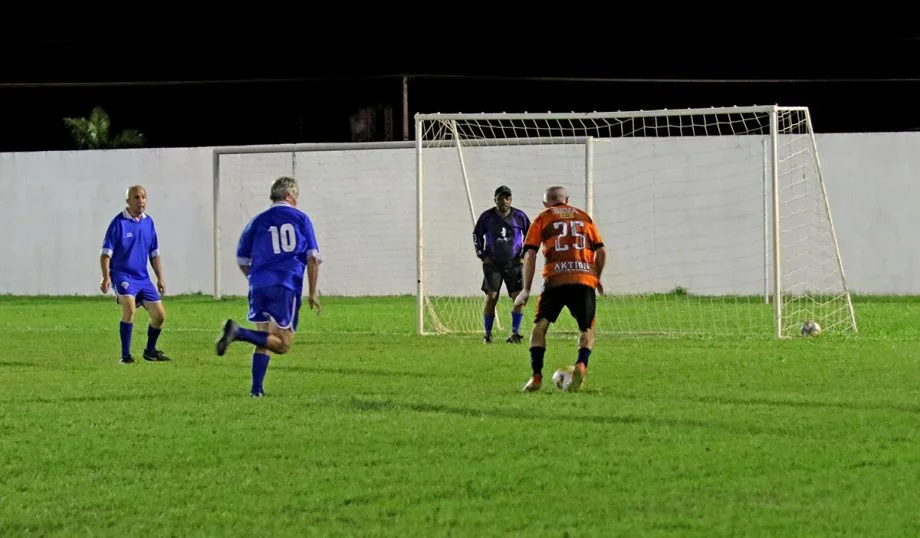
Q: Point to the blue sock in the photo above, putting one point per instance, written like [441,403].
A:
[258,338]
[487,321]
[516,318]
[583,354]
[125,329]
[536,359]
[259,367]
[152,334]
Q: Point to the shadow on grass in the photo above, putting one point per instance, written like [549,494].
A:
[528,414]
[92,398]
[16,363]
[809,404]
[373,372]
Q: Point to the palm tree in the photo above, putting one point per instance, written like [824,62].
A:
[93,132]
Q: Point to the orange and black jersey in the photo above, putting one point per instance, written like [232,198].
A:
[569,239]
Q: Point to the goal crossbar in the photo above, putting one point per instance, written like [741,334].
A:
[626,114]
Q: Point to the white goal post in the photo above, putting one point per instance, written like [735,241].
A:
[716,220]
[349,190]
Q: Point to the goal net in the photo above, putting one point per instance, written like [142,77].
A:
[716,221]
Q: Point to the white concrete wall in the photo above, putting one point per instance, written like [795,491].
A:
[674,212]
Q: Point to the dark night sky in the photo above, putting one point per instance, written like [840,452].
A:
[285,91]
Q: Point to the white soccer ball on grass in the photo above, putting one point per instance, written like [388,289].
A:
[562,378]
[810,328]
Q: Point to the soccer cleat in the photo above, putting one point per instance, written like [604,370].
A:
[256,394]
[515,338]
[533,384]
[155,356]
[231,328]
[487,339]
[127,360]
[578,376]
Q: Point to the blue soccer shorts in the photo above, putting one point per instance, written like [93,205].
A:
[275,304]
[142,290]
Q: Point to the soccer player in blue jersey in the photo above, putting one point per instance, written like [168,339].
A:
[130,241]
[498,238]
[275,248]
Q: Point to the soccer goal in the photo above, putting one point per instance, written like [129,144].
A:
[716,220]
[361,198]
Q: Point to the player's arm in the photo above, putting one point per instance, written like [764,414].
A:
[106,282]
[530,267]
[600,255]
[313,262]
[244,249]
[156,262]
[531,245]
[526,229]
[157,265]
[105,257]
[478,231]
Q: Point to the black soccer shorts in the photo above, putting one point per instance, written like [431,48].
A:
[511,273]
[581,301]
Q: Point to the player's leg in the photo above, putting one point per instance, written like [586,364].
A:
[261,336]
[260,360]
[280,330]
[232,332]
[124,296]
[491,286]
[582,303]
[514,282]
[548,308]
[275,311]
[149,298]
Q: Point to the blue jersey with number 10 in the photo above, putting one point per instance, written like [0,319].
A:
[275,245]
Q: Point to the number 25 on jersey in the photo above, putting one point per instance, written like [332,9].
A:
[571,234]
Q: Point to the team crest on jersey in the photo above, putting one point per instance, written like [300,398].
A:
[564,212]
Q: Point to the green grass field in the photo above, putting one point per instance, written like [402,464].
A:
[368,430]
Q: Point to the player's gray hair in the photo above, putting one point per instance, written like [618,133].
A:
[283,186]
[133,188]
[556,193]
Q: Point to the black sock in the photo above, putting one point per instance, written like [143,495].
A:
[583,354]
[536,359]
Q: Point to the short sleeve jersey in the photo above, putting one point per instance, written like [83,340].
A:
[275,244]
[130,242]
[569,239]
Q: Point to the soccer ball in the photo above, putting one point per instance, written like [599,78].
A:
[810,328]
[562,378]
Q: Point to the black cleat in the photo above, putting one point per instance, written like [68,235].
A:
[256,394]
[155,356]
[515,338]
[231,328]
[128,359]
[487,339]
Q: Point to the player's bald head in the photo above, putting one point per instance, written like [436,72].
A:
[555,195]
